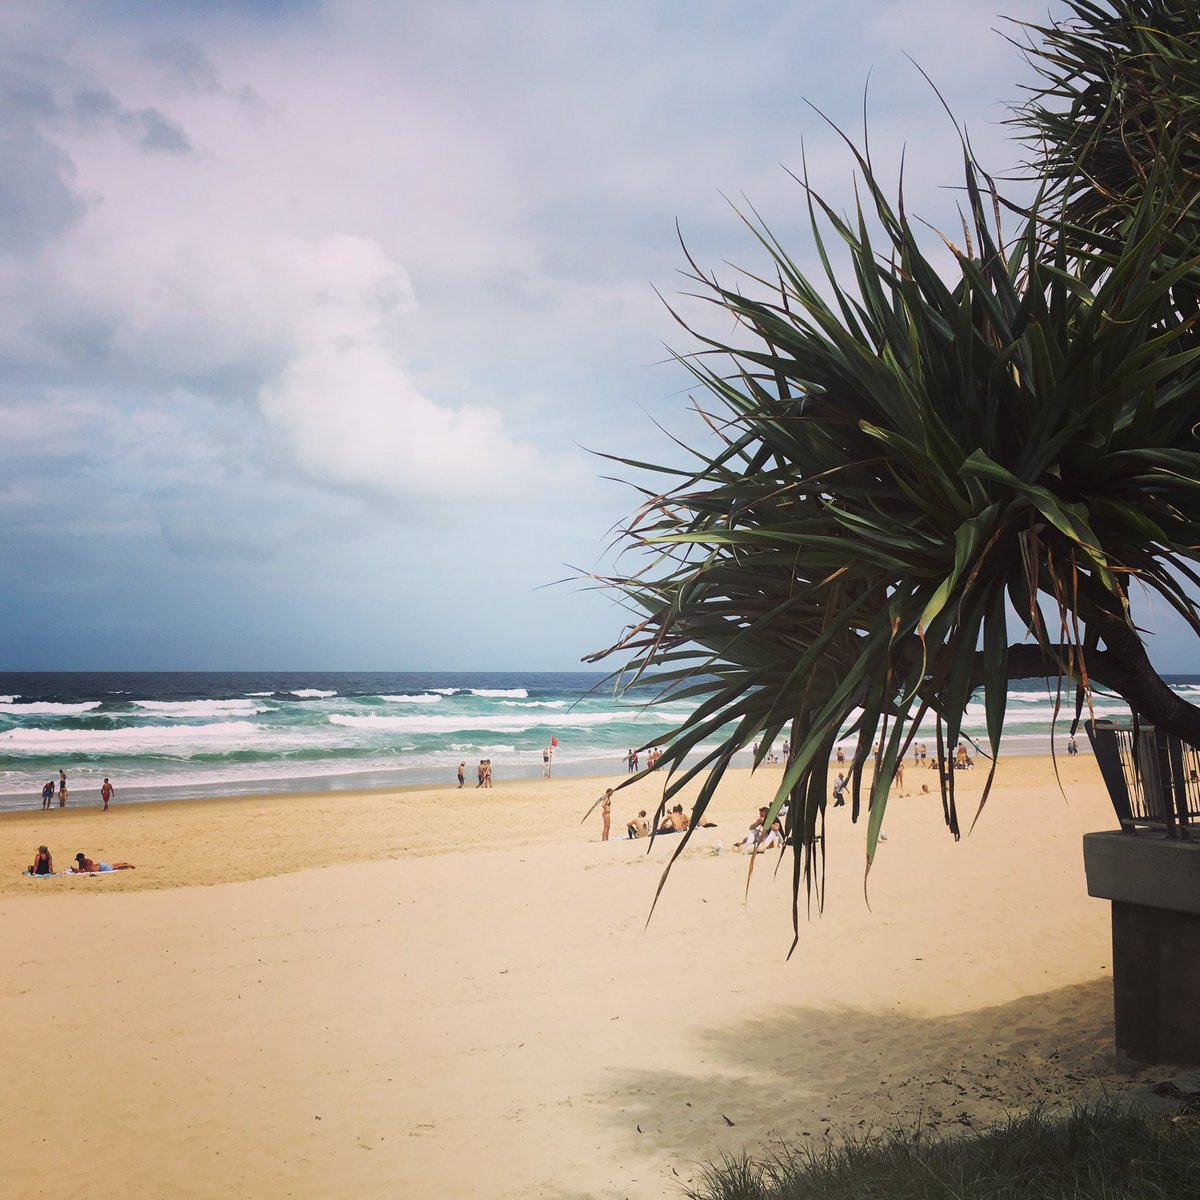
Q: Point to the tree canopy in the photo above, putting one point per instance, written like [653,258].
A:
[911,449]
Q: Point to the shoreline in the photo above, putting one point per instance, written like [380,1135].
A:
[399,780]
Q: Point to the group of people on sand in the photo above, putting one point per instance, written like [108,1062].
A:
[484,773]
[760,836]
[920,757]
[636,827]
[633,757]
[773,753]
[674,820]
[43,864]
[107,791]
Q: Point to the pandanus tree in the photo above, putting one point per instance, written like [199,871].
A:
[936,470]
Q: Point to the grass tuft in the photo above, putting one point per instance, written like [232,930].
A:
[1106,1150]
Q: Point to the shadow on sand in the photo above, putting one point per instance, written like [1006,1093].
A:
[800,1073]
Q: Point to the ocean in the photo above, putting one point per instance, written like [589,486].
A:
[173,735]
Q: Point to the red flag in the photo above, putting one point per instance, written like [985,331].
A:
[554,741]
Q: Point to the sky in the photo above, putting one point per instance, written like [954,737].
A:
[319,317]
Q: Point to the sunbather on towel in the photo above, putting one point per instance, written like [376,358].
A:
[675,821]
[43,863]
[85,866]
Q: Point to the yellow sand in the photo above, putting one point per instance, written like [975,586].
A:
[433,993]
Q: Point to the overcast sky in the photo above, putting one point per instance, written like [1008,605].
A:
[314,311]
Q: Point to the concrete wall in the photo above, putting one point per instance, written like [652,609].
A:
[1154,885]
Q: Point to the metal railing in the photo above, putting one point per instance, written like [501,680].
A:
[1152,777]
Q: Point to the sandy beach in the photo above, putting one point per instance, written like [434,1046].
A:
[434,993]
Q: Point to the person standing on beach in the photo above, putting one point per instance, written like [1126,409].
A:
[480,783]
[62,789]
[606,814]
[462,777]
[106,792]
[545,762]
[48,795]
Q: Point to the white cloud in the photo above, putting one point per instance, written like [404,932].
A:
[352,418]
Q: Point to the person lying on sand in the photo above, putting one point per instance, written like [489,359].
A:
[85,866]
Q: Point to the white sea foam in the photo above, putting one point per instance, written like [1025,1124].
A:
[8,699]
[428,698]
[497,723]
[500,693]
[259,695]
[445,691]
[1044,713]
[202,708]
[312,694]
[149,739]
[533,703]
[48,708]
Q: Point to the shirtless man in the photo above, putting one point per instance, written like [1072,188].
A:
[679,819]
[106,792]
[639,827]
[85,866]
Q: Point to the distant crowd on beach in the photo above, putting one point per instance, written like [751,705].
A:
[43,860]
[107,791]
[773,753]
[634,757]
[961,759]
[483,773]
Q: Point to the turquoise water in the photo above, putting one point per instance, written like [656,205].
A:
[169,735]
